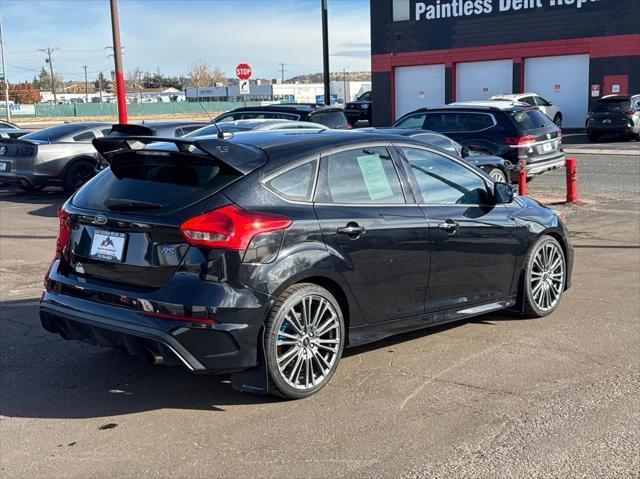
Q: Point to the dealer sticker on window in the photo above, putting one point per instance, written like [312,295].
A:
[108,246]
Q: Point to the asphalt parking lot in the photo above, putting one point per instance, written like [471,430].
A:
[492,397]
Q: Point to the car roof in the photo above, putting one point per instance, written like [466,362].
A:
[398,131]
[288,108]
[617,97]
[169,123]
[489,104]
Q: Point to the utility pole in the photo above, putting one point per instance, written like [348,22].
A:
[344,85]
[4,75]
[86,85]
[100,86]
[48,60]
[282,70]
[117,56]
[325,54]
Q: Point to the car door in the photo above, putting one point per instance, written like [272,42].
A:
[378,235]
[473,240]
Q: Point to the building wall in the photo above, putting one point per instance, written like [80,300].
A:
[607,30]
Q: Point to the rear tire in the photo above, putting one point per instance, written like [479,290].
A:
[498,175]
[77,175]
[593,137]
[544,277]
[31,188]
[304,340]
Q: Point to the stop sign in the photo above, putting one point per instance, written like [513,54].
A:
[243,71]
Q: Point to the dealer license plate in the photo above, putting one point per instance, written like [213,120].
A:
[547,147]
[108,246]
[4,166]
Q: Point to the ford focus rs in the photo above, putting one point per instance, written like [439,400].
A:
[264,255]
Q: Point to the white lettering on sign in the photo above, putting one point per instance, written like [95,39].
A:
[467,8]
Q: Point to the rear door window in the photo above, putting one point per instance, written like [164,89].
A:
[161,181]
[360,176]
[458,121]
[330,119]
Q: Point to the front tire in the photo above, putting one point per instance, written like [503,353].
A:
[304,340]
[544,277]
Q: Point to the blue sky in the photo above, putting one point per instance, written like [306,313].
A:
[172,34]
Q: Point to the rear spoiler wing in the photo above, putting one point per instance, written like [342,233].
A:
[243,158]
[126,129]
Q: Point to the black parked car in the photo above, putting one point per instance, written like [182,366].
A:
[497,168]
[513,131]
[329,116]
[614,115]
[359,109]
[266,254]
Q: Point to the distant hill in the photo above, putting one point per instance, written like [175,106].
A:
[336,76]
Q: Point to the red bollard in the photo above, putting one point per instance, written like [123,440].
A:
[572,184]
[522,178]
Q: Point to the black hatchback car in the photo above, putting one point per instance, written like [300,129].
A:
[513,131]
[266,254]
[329,116]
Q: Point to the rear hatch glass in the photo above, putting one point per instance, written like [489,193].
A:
[612,106]
[155,183]
[528,120]
[330,119]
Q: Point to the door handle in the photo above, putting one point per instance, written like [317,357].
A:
[352,229]
[449,226]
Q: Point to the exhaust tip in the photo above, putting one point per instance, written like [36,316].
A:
[151,356]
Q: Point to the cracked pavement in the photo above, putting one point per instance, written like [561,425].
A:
[494,397]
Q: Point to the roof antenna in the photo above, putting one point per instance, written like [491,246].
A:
[220,133]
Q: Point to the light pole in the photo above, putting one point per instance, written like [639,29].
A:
[117,56]
[4,75]
[325,54]
[86,85]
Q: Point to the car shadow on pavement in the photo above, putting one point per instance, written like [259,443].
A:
[45,202]
[44,376]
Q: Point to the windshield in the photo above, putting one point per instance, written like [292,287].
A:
[612,106]
[55,133]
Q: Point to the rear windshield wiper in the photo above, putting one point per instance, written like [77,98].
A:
[120,204]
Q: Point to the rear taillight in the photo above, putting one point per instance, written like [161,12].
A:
[349,127]
[521,140]
[64,231]
[230,227]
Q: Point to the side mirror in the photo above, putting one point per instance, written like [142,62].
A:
[503,193]
[465,152]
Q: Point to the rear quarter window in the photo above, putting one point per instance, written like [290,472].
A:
[296,183]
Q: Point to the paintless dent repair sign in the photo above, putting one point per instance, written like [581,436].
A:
[466,8]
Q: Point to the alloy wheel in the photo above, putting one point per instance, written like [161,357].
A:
[308,342]
[498,175]
[547,276]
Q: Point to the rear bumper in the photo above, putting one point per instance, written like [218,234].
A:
[542,166]
[356,115]
[612,129]
[29,178]
[80,312]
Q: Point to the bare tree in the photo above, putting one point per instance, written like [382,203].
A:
[201,74]
[219,76]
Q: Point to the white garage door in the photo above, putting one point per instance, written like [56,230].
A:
[563,81]
[417,87]
[481,80]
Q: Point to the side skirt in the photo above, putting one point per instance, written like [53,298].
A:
[375,332]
